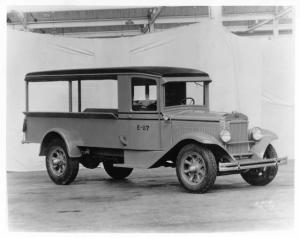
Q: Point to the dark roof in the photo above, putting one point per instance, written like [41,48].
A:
[98,73]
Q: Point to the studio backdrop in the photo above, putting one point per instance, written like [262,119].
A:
[250,75]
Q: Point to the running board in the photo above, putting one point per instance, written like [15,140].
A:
[250,164]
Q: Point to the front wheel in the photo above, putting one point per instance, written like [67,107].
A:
[116,172]
[61,168]
[262,176]
[196,168]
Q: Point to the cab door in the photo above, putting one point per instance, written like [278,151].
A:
[140,121]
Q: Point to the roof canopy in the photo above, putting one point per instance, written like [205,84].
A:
[108,73]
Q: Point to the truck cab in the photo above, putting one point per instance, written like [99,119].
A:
[162,118]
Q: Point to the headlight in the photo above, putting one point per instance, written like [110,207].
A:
[256,133]
[225,136]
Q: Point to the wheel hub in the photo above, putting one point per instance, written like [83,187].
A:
[58,161]
[194,168]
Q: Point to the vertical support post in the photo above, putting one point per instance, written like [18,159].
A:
[153,14]
[70,96]
[79,95]
[159,104]
[25,21]
[147,91]
[26,97]
[216,14]
[206,94]
[151,27]
[275,27]
[275,23]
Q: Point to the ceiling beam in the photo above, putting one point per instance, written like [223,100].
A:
[249,17]
[102,34]
[119,33]
[235,17]
[79,23]
[136,21]
[140,21]
[281,14]
[270,27]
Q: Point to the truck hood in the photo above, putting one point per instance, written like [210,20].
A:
[203,115]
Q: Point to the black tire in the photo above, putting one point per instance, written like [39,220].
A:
[262,176]
[60,167]
[116,172]
[195,161]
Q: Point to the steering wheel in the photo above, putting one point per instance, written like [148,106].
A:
[184,101]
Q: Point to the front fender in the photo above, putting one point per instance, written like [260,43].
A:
[260,147]
[200,137]
[203,139]
[71,138]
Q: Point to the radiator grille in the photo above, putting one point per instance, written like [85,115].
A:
[239,133]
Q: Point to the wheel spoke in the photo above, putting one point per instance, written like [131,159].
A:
[186,171]
[58,161]
[265,169]
[198,179]
[201,172]
[195,156]
[191,177]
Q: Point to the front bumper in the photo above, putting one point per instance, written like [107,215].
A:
[245,164]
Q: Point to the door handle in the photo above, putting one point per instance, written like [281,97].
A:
[123,140]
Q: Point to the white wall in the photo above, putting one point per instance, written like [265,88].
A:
[254,76]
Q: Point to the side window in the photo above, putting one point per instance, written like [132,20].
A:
[48,96]
[144,94]
[99,94]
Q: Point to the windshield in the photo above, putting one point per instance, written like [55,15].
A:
[184,93]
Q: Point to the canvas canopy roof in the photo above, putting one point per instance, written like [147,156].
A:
[100,73]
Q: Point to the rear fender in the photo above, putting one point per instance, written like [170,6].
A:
[71,138]
[260,147]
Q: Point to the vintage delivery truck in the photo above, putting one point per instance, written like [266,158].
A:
[162,118]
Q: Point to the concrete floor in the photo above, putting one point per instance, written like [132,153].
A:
[149,201]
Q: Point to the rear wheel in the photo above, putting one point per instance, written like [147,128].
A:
[60,167]
[196,168]
[262,176]
[116,172]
